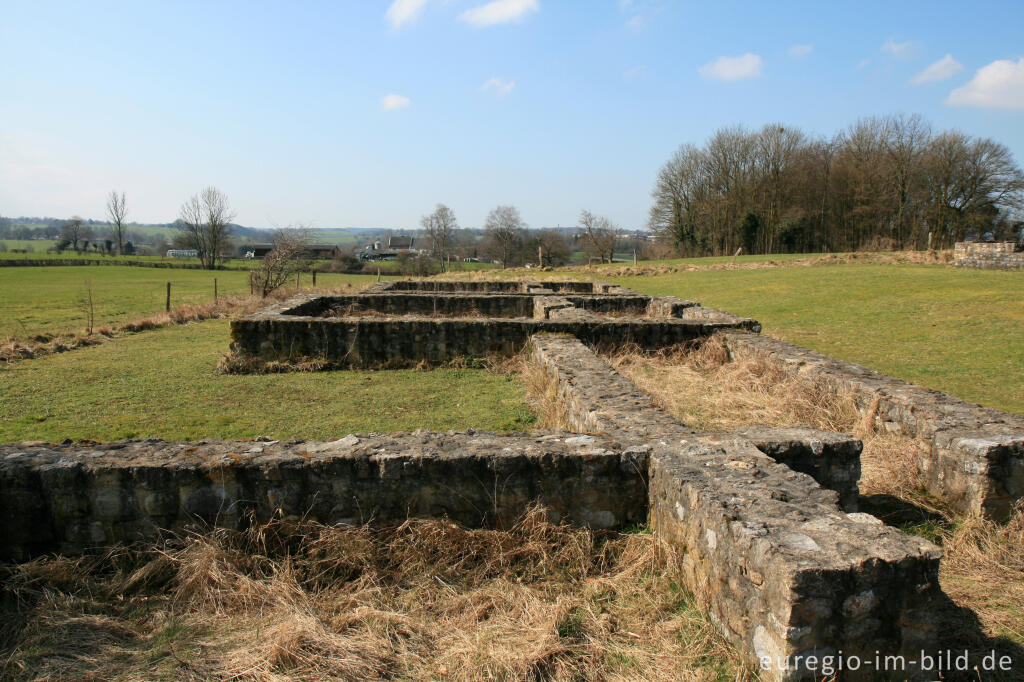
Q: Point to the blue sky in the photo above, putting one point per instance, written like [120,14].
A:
[367,114]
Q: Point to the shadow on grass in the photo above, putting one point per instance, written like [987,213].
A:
[959,628]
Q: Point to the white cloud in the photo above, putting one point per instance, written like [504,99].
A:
[797,51]
[947,67]
[635,73]
[863,64]
[392,102]
[499,86]
[636,22]
[732,68]
[999,85]
[404,12]
[898,50]
[498,12]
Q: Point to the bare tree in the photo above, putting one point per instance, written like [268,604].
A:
[600,233]
[880,183]
[75,232]
[117,210]
[205,223]
[549,246]
[504,232]
[289,257]
[439,228]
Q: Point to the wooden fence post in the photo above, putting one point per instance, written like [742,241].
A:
[314,277]
[215,290]
[167,306]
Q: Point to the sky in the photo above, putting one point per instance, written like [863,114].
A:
[367,114]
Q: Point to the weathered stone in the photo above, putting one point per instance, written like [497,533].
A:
[397,324]
[988,255]
[474,479]
[975,461]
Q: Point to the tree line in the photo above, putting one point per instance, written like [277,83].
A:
[882,183]
[508,240]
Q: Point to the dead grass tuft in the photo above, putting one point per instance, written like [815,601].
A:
[424,600]
[701,387]
[541,393]
[983,569]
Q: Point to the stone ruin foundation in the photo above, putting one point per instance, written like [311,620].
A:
[765,518]
[989,255]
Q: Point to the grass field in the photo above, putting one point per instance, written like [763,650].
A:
[35,246]
[164,384]
[49,299]
[956,330]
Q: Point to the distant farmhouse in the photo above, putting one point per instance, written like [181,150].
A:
[396,247]
[312,252]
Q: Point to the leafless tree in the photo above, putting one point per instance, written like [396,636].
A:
[883,182]
[906,142]
[600,235]
[117,211]
[289,257]
[549,246]
[504,232]
[205,224]
[439,228]
[76,232]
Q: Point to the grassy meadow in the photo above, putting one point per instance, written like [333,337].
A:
[164,384]
[955,330]
[50,299]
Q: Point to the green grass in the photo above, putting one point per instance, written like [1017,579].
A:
[48,299]
[956,330]
[163,384]
[37,247]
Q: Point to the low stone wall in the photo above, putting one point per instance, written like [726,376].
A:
[988,255]
[497,286]
[69,498]
[401,324]
[975,462]
[390,342]
[596,399]
[784,572]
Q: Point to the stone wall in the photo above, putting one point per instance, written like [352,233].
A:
[409,341]
[988,255]
[594,398]
[407,323]
[74,497]
[975,459]
[784,572]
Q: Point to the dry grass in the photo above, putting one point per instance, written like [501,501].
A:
[541,393]
[426,600]
[983,568]
[700,387]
